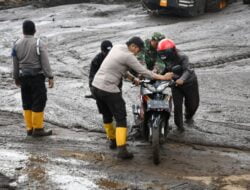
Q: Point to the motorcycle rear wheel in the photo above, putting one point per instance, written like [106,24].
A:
[157,122]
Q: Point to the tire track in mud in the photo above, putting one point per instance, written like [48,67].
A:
[221,61]
[192,137]
[5,182]
[201,64]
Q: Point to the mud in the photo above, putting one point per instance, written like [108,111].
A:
[84,161]
[211,154]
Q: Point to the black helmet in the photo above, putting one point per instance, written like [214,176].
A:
[106,46]
[137,41]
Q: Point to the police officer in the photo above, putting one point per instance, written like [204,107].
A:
[148,55]
[186,82]
[106,89]
[30,68]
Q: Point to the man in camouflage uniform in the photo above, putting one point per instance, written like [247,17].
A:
[149,54]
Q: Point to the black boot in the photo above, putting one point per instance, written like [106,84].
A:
[180,129]
[189,122]
[112,144]
[123,153]
[41,133]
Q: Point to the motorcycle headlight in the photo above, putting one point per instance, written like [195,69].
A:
[166,91]
[150,87]
[161,87]
[145,90]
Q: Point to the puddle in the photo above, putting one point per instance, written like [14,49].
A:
[4,69]
[10,160]
[10,155]
[38,158]
[108,184]
[86,156]
[69,182]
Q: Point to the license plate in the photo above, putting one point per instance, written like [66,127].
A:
[164,3]
[157,104]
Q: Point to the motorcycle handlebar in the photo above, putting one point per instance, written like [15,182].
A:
[171,83]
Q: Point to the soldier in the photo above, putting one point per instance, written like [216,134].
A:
[30,68]
[148,55]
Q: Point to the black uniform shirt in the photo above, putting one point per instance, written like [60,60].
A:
[95,65]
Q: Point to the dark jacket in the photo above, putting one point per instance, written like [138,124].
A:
[95,65]
[186,72]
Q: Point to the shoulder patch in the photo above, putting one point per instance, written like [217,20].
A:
[37,46]
[13,51]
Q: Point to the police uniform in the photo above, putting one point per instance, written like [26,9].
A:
[31,67]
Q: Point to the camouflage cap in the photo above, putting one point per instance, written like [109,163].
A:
[157,36]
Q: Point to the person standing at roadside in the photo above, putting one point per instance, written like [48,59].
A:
[186,82]
[106,89]
[30,68]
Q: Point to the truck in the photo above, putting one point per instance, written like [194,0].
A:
[184,7]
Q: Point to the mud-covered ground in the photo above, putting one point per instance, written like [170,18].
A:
[213,154]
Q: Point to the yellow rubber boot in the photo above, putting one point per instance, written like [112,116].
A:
[27,114]
[37,121]
[110,132]
[121,136]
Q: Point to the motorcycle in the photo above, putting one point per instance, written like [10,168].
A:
[153,113]
[152,116]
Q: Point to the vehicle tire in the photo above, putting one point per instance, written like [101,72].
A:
[156,145]
[166,129]
[246,1]
[144,131]
[157,122]
[149,5]
[199,8]
[215,5]
[144,128]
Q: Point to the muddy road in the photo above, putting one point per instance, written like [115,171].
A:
[212,154]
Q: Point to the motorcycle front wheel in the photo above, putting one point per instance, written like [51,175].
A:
[156,145]
[157,122]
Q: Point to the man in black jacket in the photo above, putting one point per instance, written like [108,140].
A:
[106,46]
[186,82]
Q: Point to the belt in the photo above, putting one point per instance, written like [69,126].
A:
[30,72]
